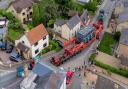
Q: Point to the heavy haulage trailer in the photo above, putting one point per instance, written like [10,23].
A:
[84,37]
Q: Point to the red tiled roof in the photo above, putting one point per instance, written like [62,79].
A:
[36,34]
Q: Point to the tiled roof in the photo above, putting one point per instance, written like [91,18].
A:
[22,47]
[124,37]
[84,16]
[59,22]
[47,77]
[21,4]
[123,17]
[73,21]
[104,83]
[36,34]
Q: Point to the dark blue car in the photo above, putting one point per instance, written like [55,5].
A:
[15,57]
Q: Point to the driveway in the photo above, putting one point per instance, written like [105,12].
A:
[5,57]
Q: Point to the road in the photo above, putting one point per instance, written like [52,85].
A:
[5,3]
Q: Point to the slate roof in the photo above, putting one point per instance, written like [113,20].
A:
[124,37]
[36,34]
[21,4]
[123,17]
[73,21]
[104,83]
[22,47]
[84,16]
[60,22]
[47,77]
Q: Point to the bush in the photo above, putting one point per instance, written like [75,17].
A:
[117,35]
[52,46]
[112,69]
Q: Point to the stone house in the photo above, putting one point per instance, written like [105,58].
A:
[22,10]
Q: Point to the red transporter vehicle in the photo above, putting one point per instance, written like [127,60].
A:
[86,36]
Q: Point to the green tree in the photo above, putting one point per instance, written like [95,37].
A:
[36,17]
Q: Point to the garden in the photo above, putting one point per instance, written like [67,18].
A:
[15,28]
[107,43]
[52,46]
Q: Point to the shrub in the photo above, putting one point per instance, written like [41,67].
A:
[117,35]
[112,69]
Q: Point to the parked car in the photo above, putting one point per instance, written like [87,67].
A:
[3,47]
[15,57]
[69,75]
[60,43]
[9,48]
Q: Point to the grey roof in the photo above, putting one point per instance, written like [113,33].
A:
[48,78]
[21,4]
[60,22]
[104,83]
[73,21]
[124,37]
[41,70]
[22,47]
[123,17]
[124,61]
[84,16]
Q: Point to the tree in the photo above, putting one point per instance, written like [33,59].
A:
[44,11]
[36,17]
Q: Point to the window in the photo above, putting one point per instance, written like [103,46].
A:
[30,13]
[44,37]
[22,41]
[45,44]
[36,51]
[36,44]
[29,8]
[23,13]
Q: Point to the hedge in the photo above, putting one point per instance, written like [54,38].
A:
[121,72]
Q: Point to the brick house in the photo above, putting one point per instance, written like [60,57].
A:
[33,42]
[22,9]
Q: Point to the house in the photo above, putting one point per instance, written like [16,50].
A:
[22,10]
[122,20]
[58,25]
[122,49]
[105,83]
[44,77]
[70,28]
[85,20]
[33,42]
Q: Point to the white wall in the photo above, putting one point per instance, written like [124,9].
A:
[63,86]
[69,33]
[39,46]
[26,42]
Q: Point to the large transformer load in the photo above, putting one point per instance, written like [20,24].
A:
[85,34]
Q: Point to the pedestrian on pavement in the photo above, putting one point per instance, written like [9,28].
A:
[84,73]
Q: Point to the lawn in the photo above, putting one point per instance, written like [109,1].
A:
[106,43]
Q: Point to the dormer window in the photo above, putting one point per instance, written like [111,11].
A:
[44,37]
